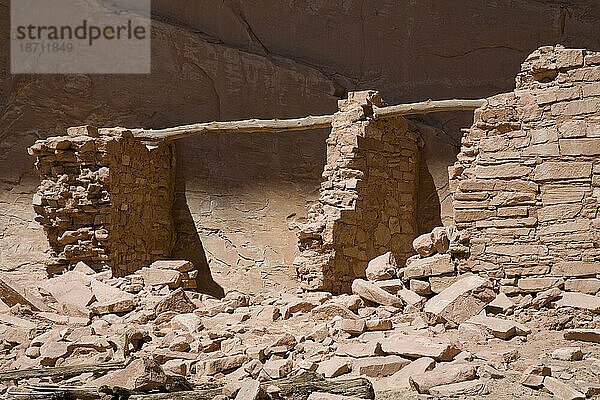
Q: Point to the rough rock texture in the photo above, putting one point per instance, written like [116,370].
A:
[368,197]
[105,199]
[525,185]
[234,59]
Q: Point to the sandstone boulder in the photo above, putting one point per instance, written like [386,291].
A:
[477,387]
[176,301]
[382,267]
[400,380]
[412,346]
[423,245]
[333,367]
[437,264]
[583,334]
[379,366]
[441,241]
[462,300]
[371,292]
[500,328]
[442,374]
[142,374]
[579,300]
[561,390]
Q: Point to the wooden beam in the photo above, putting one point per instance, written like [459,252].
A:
[245,126]
[426,107]
[298,124]
[69,371]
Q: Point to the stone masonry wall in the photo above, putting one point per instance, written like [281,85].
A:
[367,200]
[105,198]
[527,181]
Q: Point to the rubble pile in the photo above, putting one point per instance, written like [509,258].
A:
[401,335]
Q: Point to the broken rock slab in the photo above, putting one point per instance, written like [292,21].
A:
[159,276]
[379,366]
[476,387]
[333,367]
[177,301]
[330,310]
[222,364]
[584,335]
[371,292]
[500,305]
[568,354]
[106,293]
[500,328]
[142,374]
[382,267]
[250,390]
[460,301]
[12,294]
[442,374]
[437,264]
[533,376]
[579,300]
[561,390]
[400,380]
[413,346]
[423,245]
[71,288]
[174,265]
[115,306]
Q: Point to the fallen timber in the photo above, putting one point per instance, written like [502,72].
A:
[60,371]
[300,124]
[295,388]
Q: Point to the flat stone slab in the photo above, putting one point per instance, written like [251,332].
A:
[467,388]
[438,264]
[500,328]
[379,366]
[400,380]
[371,292]
[562,390]
[419,346]
[584,335]
[460,301]
[579,300]
[443,374]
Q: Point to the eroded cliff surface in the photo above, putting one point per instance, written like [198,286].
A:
[239,59]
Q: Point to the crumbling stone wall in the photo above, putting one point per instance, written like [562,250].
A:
[367,202]
[105,198]
[527,180]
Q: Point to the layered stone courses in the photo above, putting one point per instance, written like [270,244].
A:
[105,198]
[527,180]
[368,197]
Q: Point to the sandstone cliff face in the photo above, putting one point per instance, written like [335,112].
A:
[250,59]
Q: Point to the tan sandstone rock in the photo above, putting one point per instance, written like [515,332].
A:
[371,292]
[460,301]
[381,267]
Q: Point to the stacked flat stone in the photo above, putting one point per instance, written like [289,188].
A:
[527,180]
[105,198]
[367,202]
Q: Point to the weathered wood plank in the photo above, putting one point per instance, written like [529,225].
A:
[426,107]
[299,124]
[59,371]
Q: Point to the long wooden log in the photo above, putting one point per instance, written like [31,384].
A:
[245,126]
[60,371]
[294,388]
[299,124]
[428,106]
